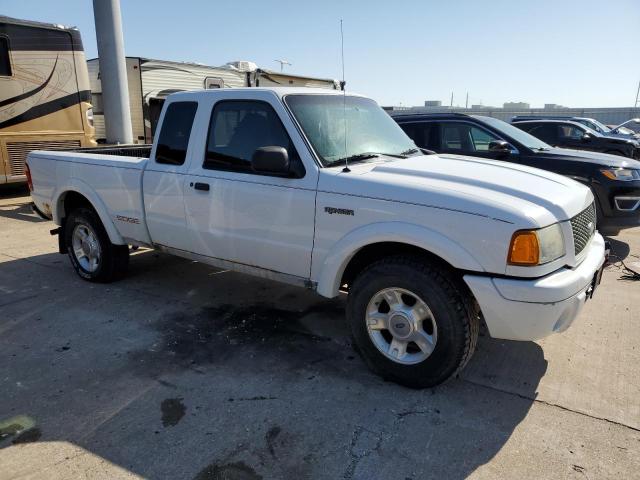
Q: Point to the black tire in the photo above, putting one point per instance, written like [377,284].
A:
[453,309]
[113,259]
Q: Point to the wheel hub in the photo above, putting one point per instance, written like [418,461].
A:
[86,248]
[401,325]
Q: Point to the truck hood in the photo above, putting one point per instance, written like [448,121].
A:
[525,196]
[604,159]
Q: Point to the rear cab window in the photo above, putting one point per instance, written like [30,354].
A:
[173,140]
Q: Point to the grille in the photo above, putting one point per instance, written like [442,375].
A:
[583,226]
[18,151]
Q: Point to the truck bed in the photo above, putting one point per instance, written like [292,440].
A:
[109,177]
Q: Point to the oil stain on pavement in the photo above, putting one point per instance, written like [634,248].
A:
[172,411]
[190,338]
[229,471]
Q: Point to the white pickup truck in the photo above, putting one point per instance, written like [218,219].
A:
[256,180]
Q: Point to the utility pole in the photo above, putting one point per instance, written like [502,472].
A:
[113,71]
[282,64]
[466,103]
[637,94]
[451,104]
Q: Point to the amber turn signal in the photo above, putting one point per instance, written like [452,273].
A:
[524,249]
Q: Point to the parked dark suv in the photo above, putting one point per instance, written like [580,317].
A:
[615,181]
[620,131]
[567,134]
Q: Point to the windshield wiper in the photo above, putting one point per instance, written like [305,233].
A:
[410,151]
[365,156]
[418,150]
[353,158]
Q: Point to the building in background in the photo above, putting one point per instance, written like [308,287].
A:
[151,81]
[516,106]
[44,93]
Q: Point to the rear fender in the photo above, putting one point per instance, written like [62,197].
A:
[81,187]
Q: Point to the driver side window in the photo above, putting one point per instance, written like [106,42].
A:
[570,132]
[480,139]
[237,129]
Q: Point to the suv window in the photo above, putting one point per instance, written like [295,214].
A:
[5,64]
[480,139]
[570,132]
[450,137]
[546,133]
[237,129]
[176,130]
[419,132]
[465,138]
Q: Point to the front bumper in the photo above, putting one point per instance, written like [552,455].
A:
[619,203]
[518,309]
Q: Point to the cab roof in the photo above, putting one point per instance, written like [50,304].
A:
[278,91]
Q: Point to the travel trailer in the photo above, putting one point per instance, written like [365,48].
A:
[44,93]
[151,81]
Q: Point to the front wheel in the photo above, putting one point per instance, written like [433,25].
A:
[411,321]
[92,254]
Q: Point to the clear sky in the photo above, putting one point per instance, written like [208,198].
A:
[579,53]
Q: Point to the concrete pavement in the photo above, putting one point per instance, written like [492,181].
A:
[184,371]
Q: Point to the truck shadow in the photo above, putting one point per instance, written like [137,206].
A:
[182,371]
[19,211]
[619,249]
[14,190]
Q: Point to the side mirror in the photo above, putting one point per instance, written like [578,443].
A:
[500,146]
[271,160]
[586,137]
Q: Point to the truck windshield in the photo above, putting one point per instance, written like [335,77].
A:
[518,135]
[369,130]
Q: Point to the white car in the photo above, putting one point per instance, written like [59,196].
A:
[325,191]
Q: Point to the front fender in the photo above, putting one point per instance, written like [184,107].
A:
[83,188]
[339,254]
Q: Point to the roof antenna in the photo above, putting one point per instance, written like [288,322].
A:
[344,104]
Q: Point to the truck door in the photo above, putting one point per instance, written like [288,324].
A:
[239,215]
[164,177]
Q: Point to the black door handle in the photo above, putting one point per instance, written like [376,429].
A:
[201,186]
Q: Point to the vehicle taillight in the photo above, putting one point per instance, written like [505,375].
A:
[90,116]
[29,181]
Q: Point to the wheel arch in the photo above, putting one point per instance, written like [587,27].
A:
[78,193]
[359,248]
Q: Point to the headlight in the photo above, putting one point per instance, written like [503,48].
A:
[536,247]
[624,174]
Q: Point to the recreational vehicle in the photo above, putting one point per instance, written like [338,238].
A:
[151,81]
[44,93]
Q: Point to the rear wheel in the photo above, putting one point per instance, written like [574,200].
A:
[411,322]
[92,254]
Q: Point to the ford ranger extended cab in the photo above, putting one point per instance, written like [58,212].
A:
[324,190]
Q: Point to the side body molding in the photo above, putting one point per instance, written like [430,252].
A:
[83,188]
[329,273]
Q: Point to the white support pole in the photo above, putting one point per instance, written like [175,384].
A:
[113,71]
